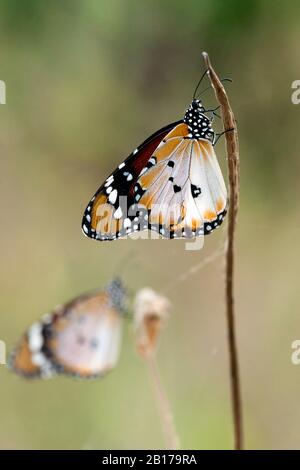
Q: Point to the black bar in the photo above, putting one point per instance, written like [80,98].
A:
[137,458]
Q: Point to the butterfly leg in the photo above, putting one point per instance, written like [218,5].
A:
[220,135]
[213,113]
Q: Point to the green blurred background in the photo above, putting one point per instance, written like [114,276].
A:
[87,81]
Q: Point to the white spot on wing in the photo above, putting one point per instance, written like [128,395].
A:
[127,223]
[109,181]
[38,359]
[35,337]
[118,213]
[113,196]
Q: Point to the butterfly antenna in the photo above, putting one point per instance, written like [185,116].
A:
[209,87]
[199,83]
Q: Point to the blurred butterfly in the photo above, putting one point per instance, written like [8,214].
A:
[80,338]
[171,183]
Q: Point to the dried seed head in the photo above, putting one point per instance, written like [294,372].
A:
[151,311]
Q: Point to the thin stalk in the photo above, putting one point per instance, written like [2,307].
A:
[232,148]
[164,407]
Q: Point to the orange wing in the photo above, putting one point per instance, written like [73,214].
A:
[183,193]
[80,338]
[21,360]
[107,215]
[179,192]
[85,341]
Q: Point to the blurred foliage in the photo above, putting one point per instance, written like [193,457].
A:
[87,81]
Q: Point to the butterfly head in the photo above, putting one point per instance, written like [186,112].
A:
[197,106]
[118,294]
[198,123]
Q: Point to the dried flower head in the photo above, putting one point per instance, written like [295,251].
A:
[151,311]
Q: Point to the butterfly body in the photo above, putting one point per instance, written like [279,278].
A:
[198,123]
[80,338]
[171,184]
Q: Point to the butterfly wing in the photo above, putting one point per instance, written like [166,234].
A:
[183,192]
[85,340]
[173,185]
[81,338]
[206,173]
[105,217]
[28,358]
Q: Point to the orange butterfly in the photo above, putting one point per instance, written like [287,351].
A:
[171,183]
[81,338]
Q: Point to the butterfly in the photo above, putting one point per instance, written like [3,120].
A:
[81,338]
[172,184]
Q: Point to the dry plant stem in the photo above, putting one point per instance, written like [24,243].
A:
[232,148]
[171,436]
